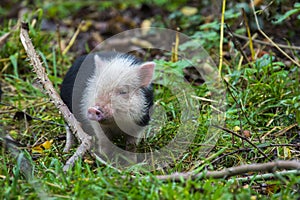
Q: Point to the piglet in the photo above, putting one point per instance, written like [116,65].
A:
[111,96]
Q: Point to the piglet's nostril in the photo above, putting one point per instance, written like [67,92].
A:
[95,113]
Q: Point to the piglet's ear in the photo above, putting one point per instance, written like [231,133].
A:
[99,63]
[146,71]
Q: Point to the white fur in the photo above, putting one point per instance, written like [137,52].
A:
[115,85]
[111,77]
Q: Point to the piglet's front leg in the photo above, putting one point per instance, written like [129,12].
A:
[131,147]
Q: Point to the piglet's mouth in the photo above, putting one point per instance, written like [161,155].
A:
[96,114]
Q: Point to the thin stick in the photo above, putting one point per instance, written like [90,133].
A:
[73,38]
[267,43]
[243,138]
[249,34]
[54,96]
[267,175]
[237,44]
[69,140]
[251,149]
[233,171]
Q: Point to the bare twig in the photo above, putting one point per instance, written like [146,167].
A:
[267,43]
[249,34]
[251,149]
[239,108]
[230,153]
[268,175]
[69,140]
[236,43]
[235,100]
[73,38]
[49,90]
[243,138]
[233,171]
[286,129]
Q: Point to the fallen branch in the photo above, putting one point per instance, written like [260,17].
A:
[233,171]
[268,175]
[55,97]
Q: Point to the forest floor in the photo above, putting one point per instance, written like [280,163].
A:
[244,112]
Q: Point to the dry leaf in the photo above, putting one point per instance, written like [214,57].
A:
[40,148]
[188,11]
[146,24]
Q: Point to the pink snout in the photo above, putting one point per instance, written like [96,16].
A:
[95,113]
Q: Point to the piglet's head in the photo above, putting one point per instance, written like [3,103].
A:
[122,91]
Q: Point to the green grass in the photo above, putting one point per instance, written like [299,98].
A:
[83,182]
[261,97]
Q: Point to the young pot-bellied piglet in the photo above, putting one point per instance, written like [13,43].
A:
[111,95]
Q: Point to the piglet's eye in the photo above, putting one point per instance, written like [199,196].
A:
[122,92]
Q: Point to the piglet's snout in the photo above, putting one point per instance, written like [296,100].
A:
[95,113]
